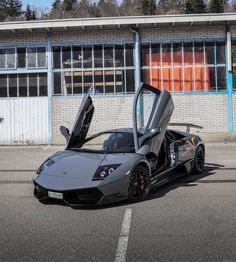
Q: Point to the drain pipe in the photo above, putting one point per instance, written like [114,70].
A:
[137,62]
[229,78]
[137,65]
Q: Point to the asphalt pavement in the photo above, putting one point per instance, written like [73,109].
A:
[192,219]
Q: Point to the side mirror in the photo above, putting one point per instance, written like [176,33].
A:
[65,132]
[150,134]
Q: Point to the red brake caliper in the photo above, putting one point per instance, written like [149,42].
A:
[142,182]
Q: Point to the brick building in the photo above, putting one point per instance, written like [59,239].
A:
[46,66]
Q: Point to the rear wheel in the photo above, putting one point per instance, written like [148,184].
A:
[139,184]
[199,161]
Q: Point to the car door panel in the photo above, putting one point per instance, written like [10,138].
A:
[159,110]
[82,122]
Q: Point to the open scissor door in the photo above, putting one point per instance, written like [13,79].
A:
[151,115]
[82,122]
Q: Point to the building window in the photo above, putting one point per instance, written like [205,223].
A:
[56,57]
[77,57]
[33,85]
[36,57]
[22,57]
[98,80]
[57,83]
[43,84]
[87,61]
[77,82]
[3,86]
[7,58]
[32,60]
[185,66]
[23,85]
[41,57]
[12,85]
[68,82]
[66,57]
[108,68]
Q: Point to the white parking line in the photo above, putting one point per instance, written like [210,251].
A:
[46,147]
[124,237]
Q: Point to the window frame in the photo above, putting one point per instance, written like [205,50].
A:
[5,54]
[38,74]
[216,66]
[27,67]
[95,67]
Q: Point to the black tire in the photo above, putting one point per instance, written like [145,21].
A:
[199,161]
[139,184]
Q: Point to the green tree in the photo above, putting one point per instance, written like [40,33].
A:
[194,7]
[216,6]
[30,14]
[56,4]
[68,4]
[148,7]
[2,13]
[95,10]
[12,8]
[57,11]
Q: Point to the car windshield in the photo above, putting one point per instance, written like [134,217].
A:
[113,142]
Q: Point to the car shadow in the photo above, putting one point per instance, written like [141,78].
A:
[183,181]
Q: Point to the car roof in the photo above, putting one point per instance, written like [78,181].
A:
[130,130]
[120,130]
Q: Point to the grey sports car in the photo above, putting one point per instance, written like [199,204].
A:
[120,164]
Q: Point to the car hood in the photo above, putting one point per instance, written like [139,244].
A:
[67,170]
[73,164]
[72,169]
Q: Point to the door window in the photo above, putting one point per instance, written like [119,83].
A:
[144,108]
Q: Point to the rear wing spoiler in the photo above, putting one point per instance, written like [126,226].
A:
[187,125]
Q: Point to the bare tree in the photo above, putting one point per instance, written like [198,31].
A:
[130,7]
[170,7]
[108,8]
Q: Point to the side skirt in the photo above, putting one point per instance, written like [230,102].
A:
[169,175]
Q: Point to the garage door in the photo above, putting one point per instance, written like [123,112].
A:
[24,120]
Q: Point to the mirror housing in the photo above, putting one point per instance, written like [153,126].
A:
[65,132]
[150,134]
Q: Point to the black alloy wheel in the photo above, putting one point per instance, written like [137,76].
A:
[199,161]
[139,184]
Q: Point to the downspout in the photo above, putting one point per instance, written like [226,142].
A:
[137,60]
[49,84]
[229,79]
[137,66]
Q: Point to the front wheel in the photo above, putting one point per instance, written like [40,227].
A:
[139,184]
[199,161]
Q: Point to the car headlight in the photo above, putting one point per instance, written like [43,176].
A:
[104,171]
[39,170]
[45,164]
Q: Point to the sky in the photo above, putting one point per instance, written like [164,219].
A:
[38,3]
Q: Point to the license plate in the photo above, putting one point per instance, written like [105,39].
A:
[55,195]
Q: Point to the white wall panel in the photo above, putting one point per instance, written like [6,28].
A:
[25,120]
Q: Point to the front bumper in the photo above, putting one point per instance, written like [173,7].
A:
[79,197]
